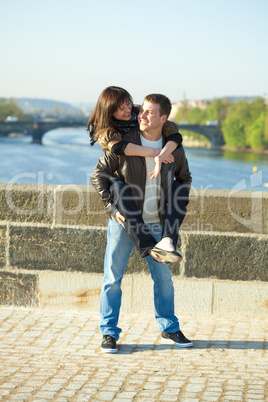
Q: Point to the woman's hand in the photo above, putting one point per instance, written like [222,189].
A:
[158,163]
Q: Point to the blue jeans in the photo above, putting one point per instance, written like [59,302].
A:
[118,250]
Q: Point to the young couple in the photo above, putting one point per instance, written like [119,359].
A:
[147,201]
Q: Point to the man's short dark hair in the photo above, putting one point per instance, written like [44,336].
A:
[163,102]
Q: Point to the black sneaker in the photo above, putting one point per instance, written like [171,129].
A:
[177,338]
[108,344]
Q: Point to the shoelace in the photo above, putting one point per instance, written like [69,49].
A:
[108,339]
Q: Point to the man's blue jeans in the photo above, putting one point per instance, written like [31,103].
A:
[118,250]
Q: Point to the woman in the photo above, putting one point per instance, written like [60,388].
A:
[113,116]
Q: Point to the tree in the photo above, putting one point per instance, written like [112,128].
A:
[234,126]
[233,131]
[217,110]
[196,116]
[183,112]
[256,132]
[266,126]
[256,107]
[9,107]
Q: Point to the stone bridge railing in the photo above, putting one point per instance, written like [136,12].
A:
[52,244]
[213,133]
[39,128]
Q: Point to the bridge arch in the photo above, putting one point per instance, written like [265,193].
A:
[213,133]
[38,129]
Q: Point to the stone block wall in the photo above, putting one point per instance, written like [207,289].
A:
[53,239]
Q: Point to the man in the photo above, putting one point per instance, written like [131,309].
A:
[151,198]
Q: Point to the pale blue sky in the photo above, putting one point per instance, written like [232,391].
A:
[70,50]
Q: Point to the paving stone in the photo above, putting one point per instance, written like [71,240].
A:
[50,355]
[106,396]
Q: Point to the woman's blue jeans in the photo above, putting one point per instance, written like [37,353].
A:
[118,250]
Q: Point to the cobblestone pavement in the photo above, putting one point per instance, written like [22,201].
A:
[55,355]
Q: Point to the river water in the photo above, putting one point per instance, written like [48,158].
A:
[67,158]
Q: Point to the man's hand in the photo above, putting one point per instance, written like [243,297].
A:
[119,218]
[158,163]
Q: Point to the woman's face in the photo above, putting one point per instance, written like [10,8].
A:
[124,111]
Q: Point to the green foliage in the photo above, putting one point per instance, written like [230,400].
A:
[256,107]
[234,126]
[183,112]
[196,116]
[244,124]
[217,110]
[266,126]
[9,107]
[256,132]
[234,131]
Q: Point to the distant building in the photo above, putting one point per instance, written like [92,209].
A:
[174,109]
[11,119]
[201,104]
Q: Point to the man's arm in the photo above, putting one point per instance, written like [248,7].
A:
[182,172]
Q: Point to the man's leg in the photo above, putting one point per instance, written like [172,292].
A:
[163,288]
[118,250]
[164,297]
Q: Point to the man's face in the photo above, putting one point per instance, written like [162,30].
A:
[149,117]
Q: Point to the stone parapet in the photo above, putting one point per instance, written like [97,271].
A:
[53,238]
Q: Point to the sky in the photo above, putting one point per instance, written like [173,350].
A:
[70,50]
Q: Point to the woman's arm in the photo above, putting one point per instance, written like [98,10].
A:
[162,157]
[138,150]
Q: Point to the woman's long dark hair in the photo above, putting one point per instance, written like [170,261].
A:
[109,101]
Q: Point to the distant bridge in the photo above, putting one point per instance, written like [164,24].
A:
[36,129]
[213,133]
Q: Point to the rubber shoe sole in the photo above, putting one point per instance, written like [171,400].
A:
[167,256]
[178,340]
[104,350]
[178,345]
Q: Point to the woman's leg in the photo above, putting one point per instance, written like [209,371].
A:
[175,212]
[134,224]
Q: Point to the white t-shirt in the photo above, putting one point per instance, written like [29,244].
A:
[152,188]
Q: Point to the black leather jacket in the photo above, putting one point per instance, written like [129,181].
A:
[132,170]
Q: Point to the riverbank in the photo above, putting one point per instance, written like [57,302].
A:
[189,142]
[192,143]
[247,150]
